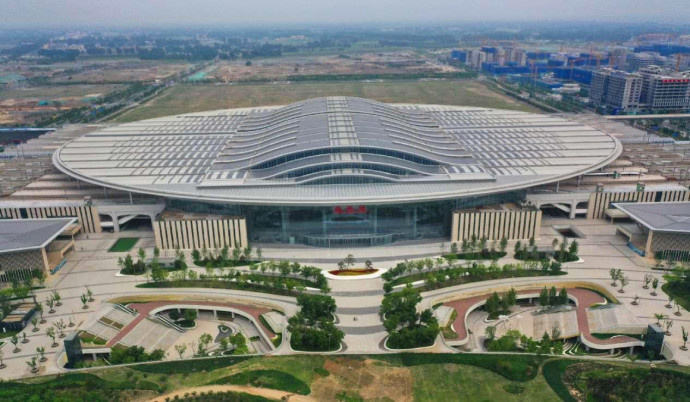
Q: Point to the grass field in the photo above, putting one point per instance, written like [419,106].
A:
[407,377]
[187,98]
[123,244]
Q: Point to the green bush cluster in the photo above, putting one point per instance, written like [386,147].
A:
[72,387]
[312,329]
[272,379]
[497,305]
[438,275]
[405,326]
[134,354]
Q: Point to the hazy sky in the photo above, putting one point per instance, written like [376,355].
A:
[254,12]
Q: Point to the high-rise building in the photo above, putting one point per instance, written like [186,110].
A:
[616,89]
[637,61]
[664,91]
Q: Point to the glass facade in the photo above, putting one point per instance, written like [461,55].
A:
[346,225]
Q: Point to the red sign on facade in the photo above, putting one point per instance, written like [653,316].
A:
[350,210]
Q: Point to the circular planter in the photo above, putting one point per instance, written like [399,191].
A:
[54,345]
[91,300]
[34,370]
[85,307]
[653,293]
[51,311]
[43,359]
[668,306]
[42,321]
[61,336]
[2,366]
[35,329]
[677,314]
[621,291]
[58,304]
[16,350]
[681,348]
[634,303]
[25,340]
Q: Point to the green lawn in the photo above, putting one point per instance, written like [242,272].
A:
[123,244]
[451,382]
[186,98]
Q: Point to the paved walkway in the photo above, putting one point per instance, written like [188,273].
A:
[584,298]
[144,309]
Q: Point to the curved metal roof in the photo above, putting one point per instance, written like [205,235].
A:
[337,150]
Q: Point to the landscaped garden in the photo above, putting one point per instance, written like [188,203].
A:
[312,328]
[407,329]
[442,273]
[433,377]
[285,278]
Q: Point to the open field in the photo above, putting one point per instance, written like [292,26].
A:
[195,98]
[404,377]
[24,105]
[57,92]
[403,62]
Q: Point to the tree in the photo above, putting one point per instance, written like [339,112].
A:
[573,249]
[544,297]
[34,322]
[33,364]
[259,253]
[563,297]
[349,260]
[685,338]
[490,332]
[141,254]
[196,255]
[2,360]
[647,280]
[42,353]
[190,315]
[51,334]
[247,252]
[615,275]
[159,275]
[554,244]
[39,310]
[204,341]
[635,300]
[15,341]
[659,317]
[655,284]
[368,265]
[453,248]
[503,245]
[624,281]
[553,296]
[224,343]
[89,293]
[57,298]
[668,323]
[180,349]
[84,300]
[511,297]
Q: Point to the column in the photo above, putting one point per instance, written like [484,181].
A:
[284,219]
[573,209]
[116,223]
